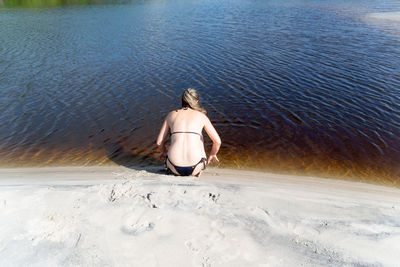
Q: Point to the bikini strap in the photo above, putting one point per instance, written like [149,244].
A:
[185,132]
[203,160]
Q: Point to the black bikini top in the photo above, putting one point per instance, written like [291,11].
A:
[186,132]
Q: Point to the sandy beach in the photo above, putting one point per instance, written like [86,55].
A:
[117,216]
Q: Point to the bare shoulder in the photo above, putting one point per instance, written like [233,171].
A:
[172,114]
[200,115]
[204,117]
[169,118]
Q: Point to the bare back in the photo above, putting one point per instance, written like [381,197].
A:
[187,144]
[186,147]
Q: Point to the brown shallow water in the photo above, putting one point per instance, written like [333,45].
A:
[307,154]
[91,84]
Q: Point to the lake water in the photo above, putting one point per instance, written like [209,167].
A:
[302,87]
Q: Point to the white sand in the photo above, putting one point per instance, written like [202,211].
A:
[114,216]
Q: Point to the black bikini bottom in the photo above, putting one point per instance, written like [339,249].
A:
[185,171]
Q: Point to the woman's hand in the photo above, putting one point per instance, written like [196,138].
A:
[162,136]
[212,159]
[212,133]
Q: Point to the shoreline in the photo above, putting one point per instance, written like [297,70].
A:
[210,174]
[117,216]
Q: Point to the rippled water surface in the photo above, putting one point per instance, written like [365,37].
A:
[310,87]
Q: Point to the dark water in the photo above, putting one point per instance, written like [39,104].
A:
[309,87]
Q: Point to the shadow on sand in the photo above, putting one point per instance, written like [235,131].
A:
[119,154]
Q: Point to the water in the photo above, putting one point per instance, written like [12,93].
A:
[301,87]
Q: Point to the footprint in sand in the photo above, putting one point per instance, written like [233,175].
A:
[205,243]
[269,219]
[117,191]
[200,259]
[264,215]
[137,228]
[137,223]
[213,197]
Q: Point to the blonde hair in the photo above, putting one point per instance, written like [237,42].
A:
[190,99]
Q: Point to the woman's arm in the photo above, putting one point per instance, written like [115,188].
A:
[212,133]
[162,137]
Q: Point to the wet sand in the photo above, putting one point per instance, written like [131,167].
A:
[116,216]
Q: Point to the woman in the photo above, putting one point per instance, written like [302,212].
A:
[186,155]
